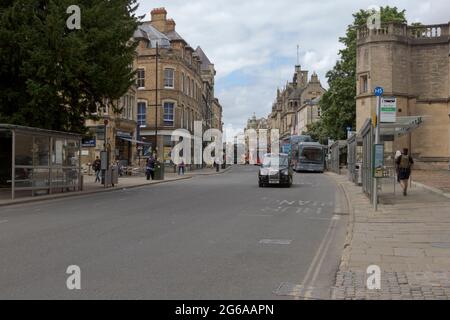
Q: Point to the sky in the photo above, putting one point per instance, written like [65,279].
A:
[253,43]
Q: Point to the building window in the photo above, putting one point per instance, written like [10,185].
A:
[140,78]
[142,114]
[192,86]
[169,114]
[182,117]
[169,78]
[364,84]
[182,82]
[188,86]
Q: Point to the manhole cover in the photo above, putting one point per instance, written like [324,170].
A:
[275,241]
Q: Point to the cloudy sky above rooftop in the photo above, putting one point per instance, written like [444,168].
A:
[253,43]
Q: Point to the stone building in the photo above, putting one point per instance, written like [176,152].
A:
[182,74]
[120,132]
[217,120]
[296,105]
[413,65]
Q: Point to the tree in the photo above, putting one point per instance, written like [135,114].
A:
[338,104]
[55,78]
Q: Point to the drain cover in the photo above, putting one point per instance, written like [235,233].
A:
[275,242]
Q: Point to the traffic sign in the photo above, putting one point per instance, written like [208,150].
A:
[379,91]
[388,110]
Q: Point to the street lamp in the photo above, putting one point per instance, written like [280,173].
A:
[156,101]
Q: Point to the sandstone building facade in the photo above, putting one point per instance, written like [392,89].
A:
[413,65]
[296,106]
[180,94]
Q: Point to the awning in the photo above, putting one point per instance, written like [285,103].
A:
[402,126]
[136,141]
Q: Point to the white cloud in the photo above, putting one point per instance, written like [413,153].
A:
[258,39]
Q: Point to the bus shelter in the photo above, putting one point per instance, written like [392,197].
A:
[336,156]
[354,158]
[388,132]
[38,162]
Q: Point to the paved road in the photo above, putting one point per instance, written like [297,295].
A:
[204,238]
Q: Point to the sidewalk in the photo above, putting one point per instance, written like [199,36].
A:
[90,187]
[408,238]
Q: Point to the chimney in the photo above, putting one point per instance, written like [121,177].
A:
[159,17]
[170,25]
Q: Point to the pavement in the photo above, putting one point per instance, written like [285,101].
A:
[208,237]
[408,238]
[91,187]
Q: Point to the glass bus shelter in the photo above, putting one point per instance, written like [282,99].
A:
[38,162]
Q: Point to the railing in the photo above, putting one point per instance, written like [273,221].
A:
[428,32]
[413,32]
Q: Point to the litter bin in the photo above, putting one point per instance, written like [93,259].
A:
[159,171]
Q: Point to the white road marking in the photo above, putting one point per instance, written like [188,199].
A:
[276,241]
[3,221]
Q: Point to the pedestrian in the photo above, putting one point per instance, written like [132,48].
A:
[217,163]
[398,154]
[97,166]
[404,163]
[150,169]
[181,168]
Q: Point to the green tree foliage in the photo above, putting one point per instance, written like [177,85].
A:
[55,78]
[338,105]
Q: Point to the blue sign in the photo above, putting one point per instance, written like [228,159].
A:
[89,142]
[286,148]
[379,91]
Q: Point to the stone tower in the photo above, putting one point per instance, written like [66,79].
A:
[412,64]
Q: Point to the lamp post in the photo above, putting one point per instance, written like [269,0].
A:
[156,101]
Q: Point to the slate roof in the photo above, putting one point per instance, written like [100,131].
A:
[150,33]
[203,58]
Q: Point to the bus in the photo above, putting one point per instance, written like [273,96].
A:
[308,157]
[289,144]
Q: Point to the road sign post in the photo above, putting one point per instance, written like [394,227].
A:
[378,93]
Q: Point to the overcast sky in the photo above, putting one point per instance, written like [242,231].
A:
[253,43]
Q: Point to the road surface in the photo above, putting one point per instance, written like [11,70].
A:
[210,237]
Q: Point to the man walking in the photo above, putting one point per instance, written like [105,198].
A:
[150,170]
[97,166]
[404,163]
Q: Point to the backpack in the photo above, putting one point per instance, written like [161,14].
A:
[404,162]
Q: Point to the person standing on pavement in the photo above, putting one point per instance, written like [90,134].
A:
[398,154]
[217,163]
[97,166]
[150,170]
[404,164]
[181,168]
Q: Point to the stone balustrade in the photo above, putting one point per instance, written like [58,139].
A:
[403,30]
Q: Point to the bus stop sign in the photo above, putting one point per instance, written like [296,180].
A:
[379,91]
